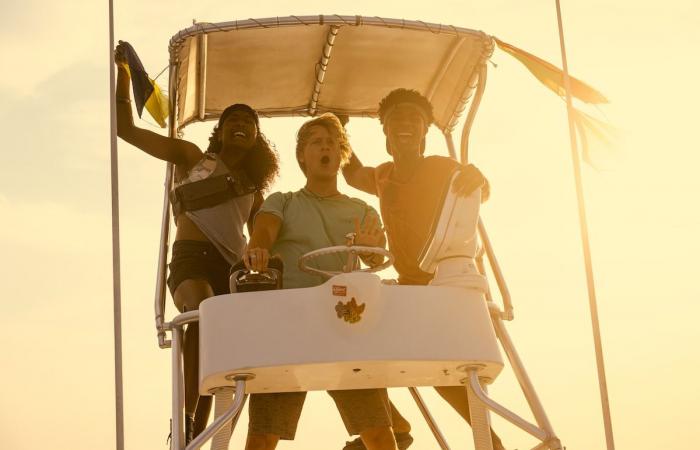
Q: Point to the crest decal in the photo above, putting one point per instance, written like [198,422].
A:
[350,312]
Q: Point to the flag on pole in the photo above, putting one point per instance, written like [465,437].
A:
[146,91]
[551,76]
[593,133]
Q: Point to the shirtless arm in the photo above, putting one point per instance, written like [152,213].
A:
[267,227]
[359,176]
[169,149]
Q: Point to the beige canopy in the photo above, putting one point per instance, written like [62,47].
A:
[303,66]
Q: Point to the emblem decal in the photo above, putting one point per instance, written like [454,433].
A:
[350,312]
[340,291]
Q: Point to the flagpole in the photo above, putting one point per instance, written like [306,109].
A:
[116,264]
[593,305]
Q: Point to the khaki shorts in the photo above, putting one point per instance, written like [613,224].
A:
[278,414]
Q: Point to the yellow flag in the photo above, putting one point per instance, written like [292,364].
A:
[551,76]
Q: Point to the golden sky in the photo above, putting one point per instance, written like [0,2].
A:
[56,382]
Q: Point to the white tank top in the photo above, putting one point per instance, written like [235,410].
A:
[222,224]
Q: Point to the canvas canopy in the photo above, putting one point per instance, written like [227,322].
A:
[303,66]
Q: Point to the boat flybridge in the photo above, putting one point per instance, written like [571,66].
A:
[355,331]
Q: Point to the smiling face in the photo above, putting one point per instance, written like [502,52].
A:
[321,155]
[405,128]
[238,132]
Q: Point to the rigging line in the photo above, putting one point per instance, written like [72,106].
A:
[161,72]
[600,363]
[116,273]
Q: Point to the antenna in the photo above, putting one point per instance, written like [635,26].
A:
[592,302]
[116,264]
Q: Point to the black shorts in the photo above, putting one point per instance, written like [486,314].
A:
[198,260]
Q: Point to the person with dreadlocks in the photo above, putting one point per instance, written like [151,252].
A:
[410,190]
[216,193]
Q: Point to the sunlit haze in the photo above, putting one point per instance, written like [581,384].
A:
[57,379]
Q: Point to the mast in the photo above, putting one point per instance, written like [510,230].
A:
[116,263]
[592,302]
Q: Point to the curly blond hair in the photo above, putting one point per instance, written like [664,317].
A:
[332,124]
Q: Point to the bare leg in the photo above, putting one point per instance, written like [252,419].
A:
[201,414]
[378,438]
[456,396]
[188,295]
[258,441]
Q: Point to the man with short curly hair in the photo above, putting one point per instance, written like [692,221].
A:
[410,190]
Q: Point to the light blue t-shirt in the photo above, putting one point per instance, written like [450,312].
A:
[310,222]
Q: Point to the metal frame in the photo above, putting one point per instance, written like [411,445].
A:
[475,387]
[202,44]
[322,67]
[336,22]
[423,408]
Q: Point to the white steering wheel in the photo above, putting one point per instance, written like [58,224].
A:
[352,251]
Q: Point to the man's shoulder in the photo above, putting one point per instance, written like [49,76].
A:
[356,202]
[278,200]
[441,161]
[284,195]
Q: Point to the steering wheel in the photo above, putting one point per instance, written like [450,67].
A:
[352,251]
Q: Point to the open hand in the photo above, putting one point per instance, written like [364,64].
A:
[370,234]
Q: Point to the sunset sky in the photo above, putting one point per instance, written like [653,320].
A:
[56,377]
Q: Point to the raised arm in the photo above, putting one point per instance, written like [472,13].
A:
[265,231]
[359,176]
[176,151]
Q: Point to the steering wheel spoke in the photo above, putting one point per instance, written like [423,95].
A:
[352,249]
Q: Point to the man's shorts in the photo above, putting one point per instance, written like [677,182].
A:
[278,414]
[198,260]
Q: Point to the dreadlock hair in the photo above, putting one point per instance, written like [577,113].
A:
[333,125]
[261,163]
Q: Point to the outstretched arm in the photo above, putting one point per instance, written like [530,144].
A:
[359,176]
[176,151]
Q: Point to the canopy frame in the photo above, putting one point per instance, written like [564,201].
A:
[337,23]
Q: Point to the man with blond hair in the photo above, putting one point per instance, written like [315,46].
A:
[292,224]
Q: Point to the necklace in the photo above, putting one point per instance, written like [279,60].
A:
[317,196]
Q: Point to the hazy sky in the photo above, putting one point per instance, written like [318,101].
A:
[56,382]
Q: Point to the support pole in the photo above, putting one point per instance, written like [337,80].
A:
[178,388]
[600,363]
[439,437]
[116,263]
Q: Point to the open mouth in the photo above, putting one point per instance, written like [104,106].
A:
[325,159]
[239,134]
